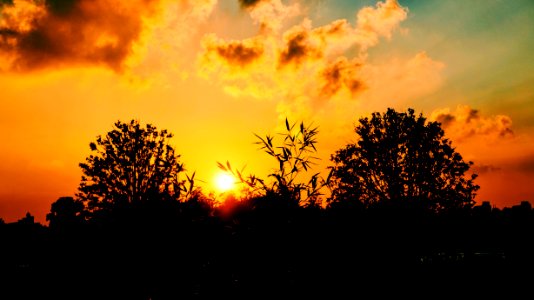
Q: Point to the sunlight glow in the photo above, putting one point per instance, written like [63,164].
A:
[224,181]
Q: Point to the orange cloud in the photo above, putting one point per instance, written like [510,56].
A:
[64,32]
[397,81]
[270,14]
[485,168]
[496,149]
[338,74]
[467,123]
[321,66]
[320,73]
[380,21]
[53,33]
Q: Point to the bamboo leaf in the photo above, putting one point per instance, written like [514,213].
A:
[221,166]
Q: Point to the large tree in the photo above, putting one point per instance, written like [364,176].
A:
[130,164]
[402,158]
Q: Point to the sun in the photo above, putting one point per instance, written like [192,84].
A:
[224,181]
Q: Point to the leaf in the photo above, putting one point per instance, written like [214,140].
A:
[270,141]
[221,166]
[287,125]
[329,176]
[261,139]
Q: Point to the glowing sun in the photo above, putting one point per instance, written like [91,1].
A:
[224,181]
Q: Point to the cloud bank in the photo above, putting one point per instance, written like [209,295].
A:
[307,68]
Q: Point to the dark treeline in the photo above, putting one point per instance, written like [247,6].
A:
[399,220]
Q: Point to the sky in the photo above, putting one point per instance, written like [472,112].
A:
[216,72]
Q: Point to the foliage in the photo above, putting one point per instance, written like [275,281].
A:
[294,157]
[400,158]
[65,212]
[131,164]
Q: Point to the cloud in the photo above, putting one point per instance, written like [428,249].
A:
[380,21]
[169,43]
[399,80]
[338,74]
[233,53]
[238,53]
[302,41]
[75,31]
[466,123]
[249,3]
[310,63]
[55,33]
[298,46]
[270,14]
[485,168]
[525,164]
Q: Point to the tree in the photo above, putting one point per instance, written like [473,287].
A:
[131,164]
[66,212]
[402,158]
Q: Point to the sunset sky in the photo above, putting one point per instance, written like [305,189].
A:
[215,72]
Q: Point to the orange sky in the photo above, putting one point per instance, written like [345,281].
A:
[215,72]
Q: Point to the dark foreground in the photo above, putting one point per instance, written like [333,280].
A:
[186,251]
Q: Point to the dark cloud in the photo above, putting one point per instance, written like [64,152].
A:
[6,33]
[240,53]
[237,53]
[338,74]
[249,3]
[298,49]
[468,116]
[505,126]
[65,32]
[61,7]
[472,115]
[526,164]
[445,119]
[483,168]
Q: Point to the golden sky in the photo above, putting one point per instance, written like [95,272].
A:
[215,72]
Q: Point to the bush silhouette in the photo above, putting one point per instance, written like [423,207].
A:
[294,157]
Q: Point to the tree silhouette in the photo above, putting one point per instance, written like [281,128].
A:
[130,164]
[66,212]
[401,158]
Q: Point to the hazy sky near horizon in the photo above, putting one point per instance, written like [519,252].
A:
[215,72]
